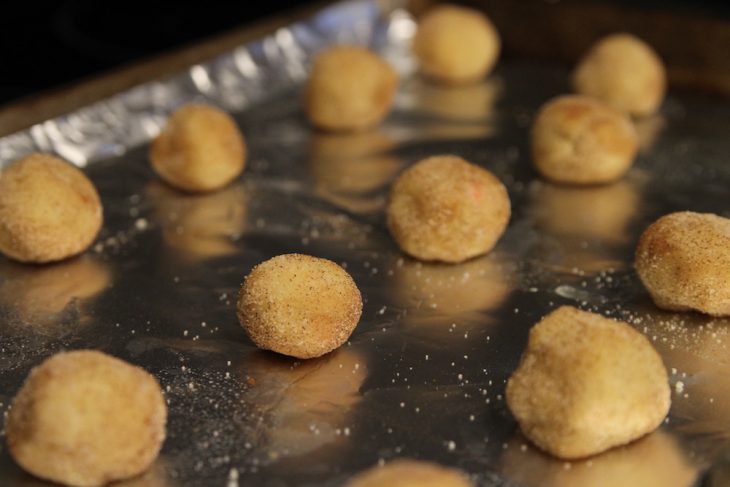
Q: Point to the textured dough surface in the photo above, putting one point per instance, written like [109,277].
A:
[200,149]
[586,384]
[410,473]
[444,208]
[683,259]
[49,210]
[623,71]
[84,418]
[579,140]
[350,88]
[299,305]
[456,44]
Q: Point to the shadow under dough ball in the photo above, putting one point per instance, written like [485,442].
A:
[350,88]
[200,149]
[299,305]
[84,418]
[444,208]
[49,210]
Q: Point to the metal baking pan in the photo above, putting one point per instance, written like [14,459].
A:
[423,375]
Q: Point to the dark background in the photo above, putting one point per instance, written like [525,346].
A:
[52,44]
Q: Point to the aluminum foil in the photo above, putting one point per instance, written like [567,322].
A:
[423,374]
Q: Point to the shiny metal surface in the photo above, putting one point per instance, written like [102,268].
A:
[423,375]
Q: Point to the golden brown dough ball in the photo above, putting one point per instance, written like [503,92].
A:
[579,140]
[456,44]
[200,149]
[49,210]
[684,263]
[350,88]
[623,71]
[587,383]
[299,305]
[84,418]
[446,209]
[410,473]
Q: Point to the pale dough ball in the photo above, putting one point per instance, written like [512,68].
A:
[49,210]
[444,208]
[299,305]
[456,44]
[684,263]
[200,149]
[410,473]
[579,140]
[586,384]
[84,418]
[623,71]
[350,88]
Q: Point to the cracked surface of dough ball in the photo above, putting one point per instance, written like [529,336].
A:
[299,305]
[444,208]
[456,44]
[586,384]
[49,210]
[683,261]
[350,88]
[200,149]
[623,71]
[410,473]
[84,418]
[579,140]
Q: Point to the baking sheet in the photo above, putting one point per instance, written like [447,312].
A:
[423,375]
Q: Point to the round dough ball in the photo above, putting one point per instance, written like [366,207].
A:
[200,149]
[299,305]
[683,261]
[579,140]
[623,71]
[456,44]
[586,384]
[350,88]
[49,210]
[410,473]
[84,418]
[444,208]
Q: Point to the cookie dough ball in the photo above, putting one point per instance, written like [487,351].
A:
[49,210]
[683,261]
[456,44]
[586,384]
[443,208]
[410,473]
[200,149]
[579,140]
[84,418]
[623,71]
[350,88]
[299,305]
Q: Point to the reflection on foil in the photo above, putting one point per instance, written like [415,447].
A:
[653,461]
[44,296]
[305,405]
[473,102]
[200,226]
[649,130]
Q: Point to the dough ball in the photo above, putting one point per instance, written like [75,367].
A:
[579,140]
[84,418]
[49,210]
[350,88]
[684,263]
[299,305]
[444,208]
[200,149]
[456,44]
[410,473]
[623,71]
[586,384]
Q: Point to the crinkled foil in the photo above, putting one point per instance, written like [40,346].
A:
[423,375]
